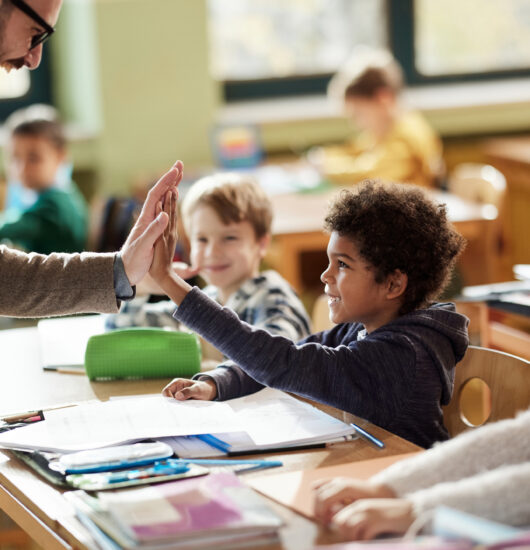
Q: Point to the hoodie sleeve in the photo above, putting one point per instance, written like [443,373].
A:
[279,312]
[369,378]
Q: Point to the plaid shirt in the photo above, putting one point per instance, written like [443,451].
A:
[266,301]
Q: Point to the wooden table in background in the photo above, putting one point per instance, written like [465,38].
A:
[511,155]
[39,507]
[299,219]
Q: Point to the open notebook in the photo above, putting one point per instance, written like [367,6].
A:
[271,418]
[63,341]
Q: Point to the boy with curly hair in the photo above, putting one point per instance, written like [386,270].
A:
[392,355]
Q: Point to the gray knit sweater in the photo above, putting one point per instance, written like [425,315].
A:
[398,376]
[484,472]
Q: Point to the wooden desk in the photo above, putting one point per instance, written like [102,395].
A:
[299,218]
[39,507]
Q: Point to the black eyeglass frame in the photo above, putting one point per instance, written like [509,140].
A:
[30,12]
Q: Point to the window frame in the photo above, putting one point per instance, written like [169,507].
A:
[241,90]
[400,22]
[401,42]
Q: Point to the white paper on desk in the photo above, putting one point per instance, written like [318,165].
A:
[277,179]
[271,419]
[112,422]
[63,341]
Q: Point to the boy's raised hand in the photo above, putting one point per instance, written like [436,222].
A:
[149,285]
[137,252]
[183,388]
[161,267]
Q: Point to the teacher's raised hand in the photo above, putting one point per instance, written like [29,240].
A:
[137,252]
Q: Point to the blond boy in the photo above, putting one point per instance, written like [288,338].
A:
[228,219]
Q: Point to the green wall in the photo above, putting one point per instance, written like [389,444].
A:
[133,77]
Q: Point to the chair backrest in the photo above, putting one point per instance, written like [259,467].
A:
[508,380]
[480,183]
[484,184]
[117,218]
[320,314]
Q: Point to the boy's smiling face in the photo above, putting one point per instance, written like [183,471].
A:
[354,295]
[227,254]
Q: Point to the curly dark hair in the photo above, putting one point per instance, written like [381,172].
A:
[397,227]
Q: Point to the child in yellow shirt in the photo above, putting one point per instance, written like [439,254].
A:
[392,144]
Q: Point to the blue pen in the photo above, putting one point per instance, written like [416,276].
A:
[214,442]
[369,437]
[226,462]
[253,464]
[159,469]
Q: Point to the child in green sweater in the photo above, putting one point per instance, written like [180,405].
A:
[57,221]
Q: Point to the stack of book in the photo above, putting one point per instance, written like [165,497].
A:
[213,510]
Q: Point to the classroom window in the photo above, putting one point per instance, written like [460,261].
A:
[460,40]
[471,36]
[277,48]
[273,47]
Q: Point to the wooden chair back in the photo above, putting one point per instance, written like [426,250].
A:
[508,380]
[484,184]
[480,183]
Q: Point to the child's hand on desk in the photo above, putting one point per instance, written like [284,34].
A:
[332,495]
[183,388]
[369,518]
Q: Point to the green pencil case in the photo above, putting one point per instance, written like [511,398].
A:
[142,352]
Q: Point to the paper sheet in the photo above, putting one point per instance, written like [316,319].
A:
[102,424]
[270,417]
[63,342]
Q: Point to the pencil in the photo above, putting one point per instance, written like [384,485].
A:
[17,417]
[368,436]
[73,370]
[21,416]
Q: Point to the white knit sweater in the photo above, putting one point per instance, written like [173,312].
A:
[485,472]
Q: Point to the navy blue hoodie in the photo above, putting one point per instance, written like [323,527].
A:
[397,377]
